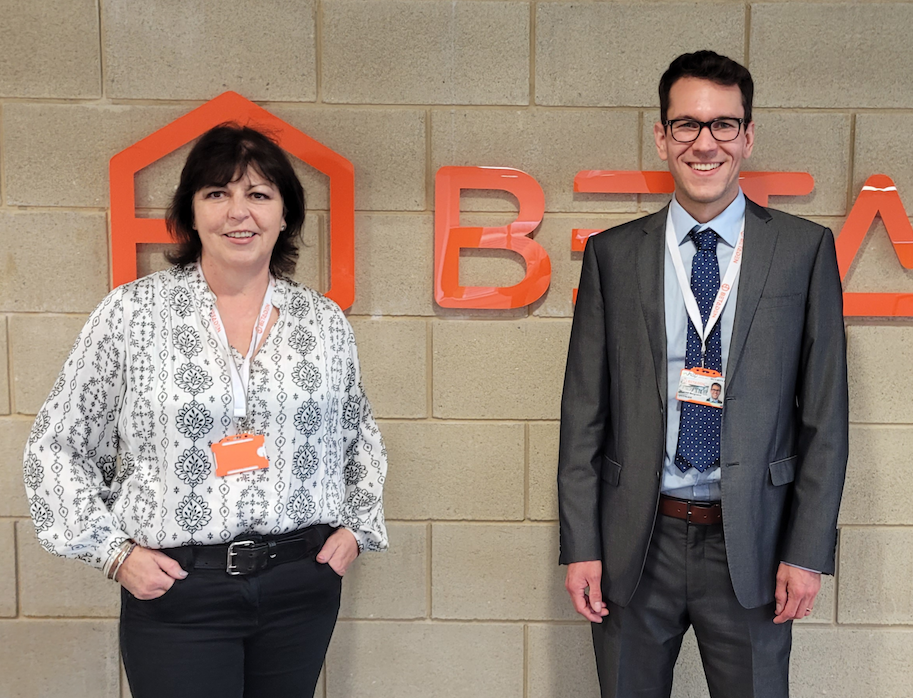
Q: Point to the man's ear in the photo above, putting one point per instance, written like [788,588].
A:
[749,140]
[659,135]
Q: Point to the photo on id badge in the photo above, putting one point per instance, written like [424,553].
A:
[701,386]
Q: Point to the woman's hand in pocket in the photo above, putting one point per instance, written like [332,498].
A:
[148,574]
[339,551]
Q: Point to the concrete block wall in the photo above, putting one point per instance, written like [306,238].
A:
[469,600]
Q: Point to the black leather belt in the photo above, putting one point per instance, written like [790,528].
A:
[705,513]
[252,553]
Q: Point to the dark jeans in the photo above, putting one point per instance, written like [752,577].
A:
[686,583]
[211,634]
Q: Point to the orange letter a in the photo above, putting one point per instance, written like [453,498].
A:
[878,197]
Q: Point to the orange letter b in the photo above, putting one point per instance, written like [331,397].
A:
[449,237]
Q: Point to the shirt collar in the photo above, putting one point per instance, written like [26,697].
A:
[727,225]
[206,298]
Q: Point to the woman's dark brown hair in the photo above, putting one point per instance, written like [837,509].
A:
[220,156]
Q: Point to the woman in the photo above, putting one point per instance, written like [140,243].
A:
[209,445]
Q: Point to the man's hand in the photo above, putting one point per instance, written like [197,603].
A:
[148,574]
[580,577]
[339,551]
[796,592]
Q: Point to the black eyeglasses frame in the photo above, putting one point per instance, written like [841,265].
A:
[669,123]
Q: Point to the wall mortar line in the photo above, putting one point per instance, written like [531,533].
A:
[102,63]
[526,459]
[525,660]
[16,567]
[638,199]
[10,373]
[854,524]
[533,7]
[3,150]
[318,51]
[851,166]
[9,364]
[429,174]
[747,52]
[429,587]
[190,104]
[837,577]
[323,246]
[429,369]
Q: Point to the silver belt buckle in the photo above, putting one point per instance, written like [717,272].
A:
[230,567]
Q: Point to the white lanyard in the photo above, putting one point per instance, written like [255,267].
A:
[241,377]
[703,331]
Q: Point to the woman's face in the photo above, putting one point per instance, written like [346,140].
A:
[239,223]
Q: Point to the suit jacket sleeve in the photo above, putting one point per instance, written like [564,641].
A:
[822,404]
[584,415]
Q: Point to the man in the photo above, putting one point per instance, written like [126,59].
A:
[677,514]
[715,389]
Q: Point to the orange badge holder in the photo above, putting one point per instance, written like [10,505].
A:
[240,454]
[710,373]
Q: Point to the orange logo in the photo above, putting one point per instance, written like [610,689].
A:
[878,197]
[128,231]
[449,237]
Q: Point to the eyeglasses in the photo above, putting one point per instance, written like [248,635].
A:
[724,129]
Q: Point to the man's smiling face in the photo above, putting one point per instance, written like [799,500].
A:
[706,172]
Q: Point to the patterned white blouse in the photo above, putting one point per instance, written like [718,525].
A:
[121,448]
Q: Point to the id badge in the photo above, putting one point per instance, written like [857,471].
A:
[239,454]
[702,386]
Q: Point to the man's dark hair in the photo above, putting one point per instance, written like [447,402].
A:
[707,65]
[220,156]
[716,385]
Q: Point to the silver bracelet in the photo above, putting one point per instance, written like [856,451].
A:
[112,559]
[123,559]
[116,558]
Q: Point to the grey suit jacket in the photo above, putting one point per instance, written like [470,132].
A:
[784,436]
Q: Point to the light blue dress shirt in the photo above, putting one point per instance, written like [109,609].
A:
[693,484]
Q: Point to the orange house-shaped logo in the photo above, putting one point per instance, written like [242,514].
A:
[128,231]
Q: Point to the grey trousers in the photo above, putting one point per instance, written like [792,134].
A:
[686,583]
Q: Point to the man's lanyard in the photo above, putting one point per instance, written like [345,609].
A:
[241,377]
[694,313]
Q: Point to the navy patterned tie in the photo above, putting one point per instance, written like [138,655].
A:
[699,429]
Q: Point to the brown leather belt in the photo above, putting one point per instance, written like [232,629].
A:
[704,513]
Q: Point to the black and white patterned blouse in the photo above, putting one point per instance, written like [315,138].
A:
[121,448]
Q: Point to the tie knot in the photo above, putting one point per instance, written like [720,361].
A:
[704,239]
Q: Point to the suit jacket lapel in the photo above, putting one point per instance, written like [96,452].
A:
[760,241]
[651,262]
